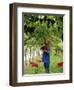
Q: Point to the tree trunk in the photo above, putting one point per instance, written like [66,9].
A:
[30,54]
[25,55]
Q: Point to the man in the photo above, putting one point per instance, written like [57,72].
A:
[46,58]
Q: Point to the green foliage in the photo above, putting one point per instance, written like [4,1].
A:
[40,29]
[42,33]
[34,70]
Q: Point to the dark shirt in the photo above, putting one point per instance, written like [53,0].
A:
[45,57]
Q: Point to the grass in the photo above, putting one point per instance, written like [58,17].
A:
[53,64]
[54,68]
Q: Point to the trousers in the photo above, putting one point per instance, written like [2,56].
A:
[46,66]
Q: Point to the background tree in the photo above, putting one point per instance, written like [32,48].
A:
[41,29]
